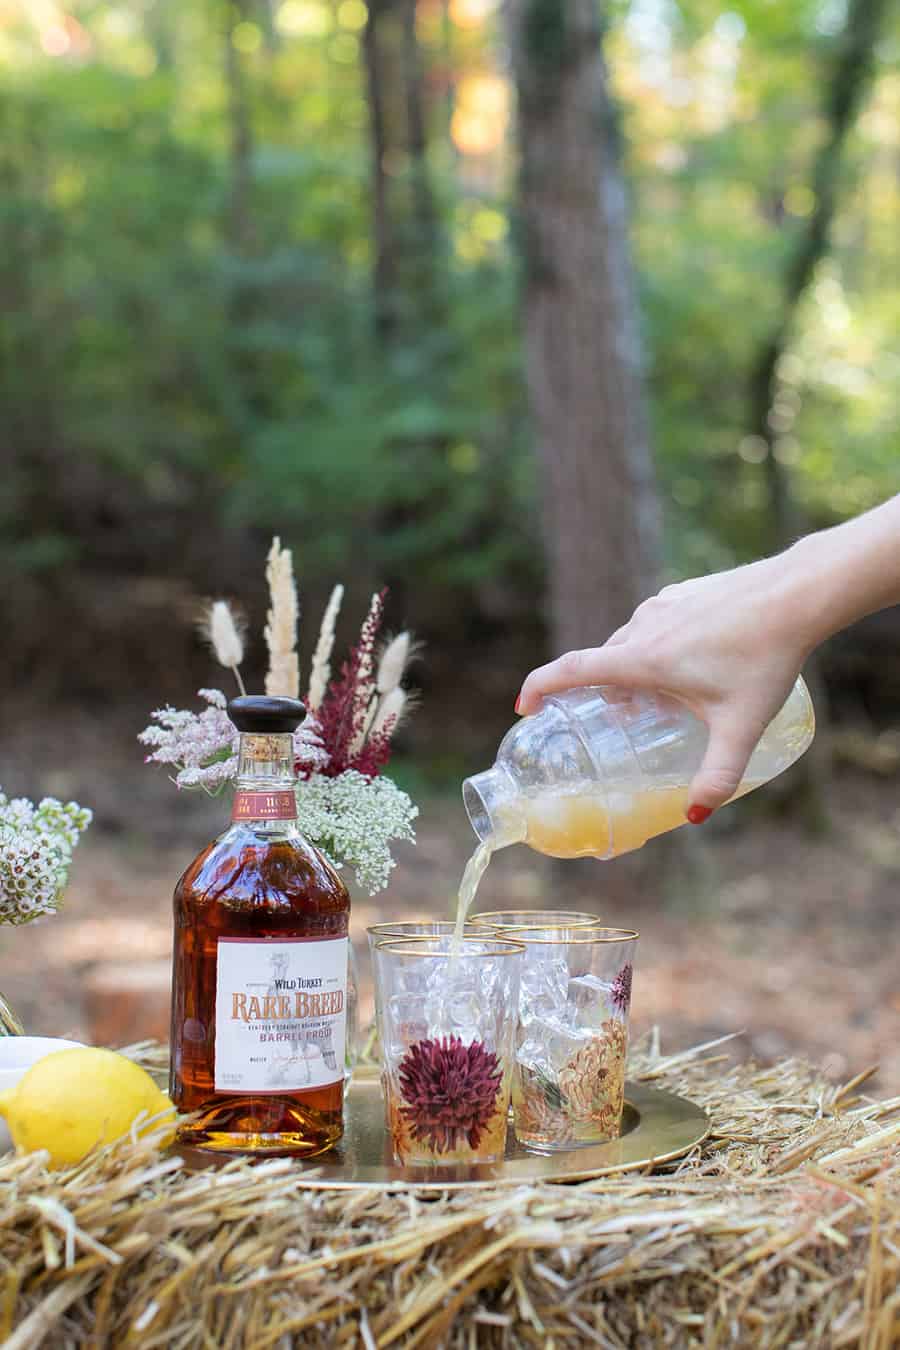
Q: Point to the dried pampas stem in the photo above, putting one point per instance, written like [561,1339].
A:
[281,629]
[224,632]
[321,663]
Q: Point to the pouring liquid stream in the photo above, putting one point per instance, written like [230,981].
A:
[471,879]
[580,825]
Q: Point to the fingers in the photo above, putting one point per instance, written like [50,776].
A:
[731,743]
[595,665]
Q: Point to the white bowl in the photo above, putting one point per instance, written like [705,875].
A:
[17,1054]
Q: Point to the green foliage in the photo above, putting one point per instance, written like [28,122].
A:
[178,343]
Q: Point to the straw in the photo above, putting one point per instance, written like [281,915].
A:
[783,1228]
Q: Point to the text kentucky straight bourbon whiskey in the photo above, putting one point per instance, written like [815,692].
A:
[259,985]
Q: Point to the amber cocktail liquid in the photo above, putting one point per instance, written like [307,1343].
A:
[259,984]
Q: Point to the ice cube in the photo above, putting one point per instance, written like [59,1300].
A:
[545,983]
[588,998]
[407,1022]
[456,1010]
[548,1042]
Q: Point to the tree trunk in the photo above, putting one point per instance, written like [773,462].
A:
[406,287]
[581,329]
[239,227]
[384,269]
[423,206]
[247,405]
[404,215]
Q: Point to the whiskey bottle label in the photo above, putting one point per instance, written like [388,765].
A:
[280,805]
[281,1013]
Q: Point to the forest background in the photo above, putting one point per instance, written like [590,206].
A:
[519,309]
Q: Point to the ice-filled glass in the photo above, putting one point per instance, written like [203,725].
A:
[447,1025]
[413,928]
[572,1038]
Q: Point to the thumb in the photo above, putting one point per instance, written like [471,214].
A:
[732,741]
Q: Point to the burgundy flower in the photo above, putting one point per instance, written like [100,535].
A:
[341,720]
[449,1091]
[620,993]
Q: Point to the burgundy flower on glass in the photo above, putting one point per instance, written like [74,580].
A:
[449,1091]
[620,993]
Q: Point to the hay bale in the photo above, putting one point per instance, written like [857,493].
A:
[782,1229]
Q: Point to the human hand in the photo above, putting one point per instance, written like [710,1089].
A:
[729,646]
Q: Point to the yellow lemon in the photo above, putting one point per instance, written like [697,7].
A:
[72,1100]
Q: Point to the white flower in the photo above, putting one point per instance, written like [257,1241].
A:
[36,844]
[354,819]
[203,747]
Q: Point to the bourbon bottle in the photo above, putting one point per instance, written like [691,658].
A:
[259,982]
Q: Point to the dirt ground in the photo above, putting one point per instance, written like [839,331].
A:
[787,942]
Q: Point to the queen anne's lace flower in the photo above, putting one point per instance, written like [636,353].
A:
[354,819]
[36,844]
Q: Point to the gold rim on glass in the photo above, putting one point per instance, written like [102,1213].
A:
[494,918]
[497,947]
[387,929]
[584,936]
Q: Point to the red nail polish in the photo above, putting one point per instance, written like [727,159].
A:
[519,704]
[697,814]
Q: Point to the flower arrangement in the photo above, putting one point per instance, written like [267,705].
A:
[36,846]
[345,804]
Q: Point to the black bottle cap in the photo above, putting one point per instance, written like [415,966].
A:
[265,715]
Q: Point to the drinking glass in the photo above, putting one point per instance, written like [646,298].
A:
[574,996]
[447,1024]
[504,919]
[413,928]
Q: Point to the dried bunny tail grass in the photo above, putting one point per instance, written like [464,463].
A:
[390,702]
[283,677]
[783,1228]
[224,630]
[392,708]
[395,659]
[320,672]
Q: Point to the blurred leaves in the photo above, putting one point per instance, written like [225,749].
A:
[148,366]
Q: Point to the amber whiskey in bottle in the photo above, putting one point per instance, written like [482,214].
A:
[259,983]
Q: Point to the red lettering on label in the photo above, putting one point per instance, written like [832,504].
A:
[280,805]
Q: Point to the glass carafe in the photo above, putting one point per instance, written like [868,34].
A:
[598,771]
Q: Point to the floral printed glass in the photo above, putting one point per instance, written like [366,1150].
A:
[569,1078]
[500,919]
[447,1025]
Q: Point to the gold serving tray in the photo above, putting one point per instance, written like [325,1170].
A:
[657,1127]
